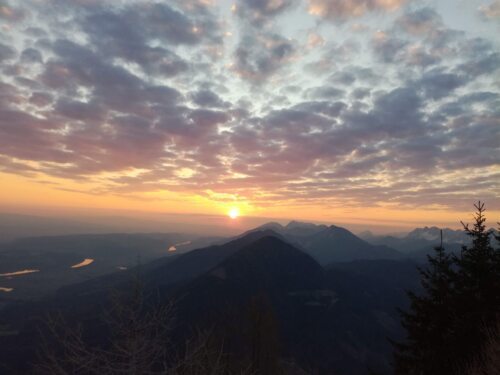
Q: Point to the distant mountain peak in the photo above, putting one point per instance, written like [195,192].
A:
[433,234]
[300,228]
[325,243]
[259,233]
[337,228]
[296,223]
[272,225]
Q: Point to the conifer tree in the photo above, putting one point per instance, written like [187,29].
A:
[447,326]
[477,295]
[425,351]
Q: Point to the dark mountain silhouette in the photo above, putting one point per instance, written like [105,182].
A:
[329,244]
[199,261]
[336,244]
[266,266]
[347,309]
[330,320]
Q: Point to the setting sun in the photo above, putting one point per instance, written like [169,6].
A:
[234,213]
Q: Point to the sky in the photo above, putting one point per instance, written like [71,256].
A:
[376,111]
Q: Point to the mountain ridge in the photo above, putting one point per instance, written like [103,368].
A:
[329,244]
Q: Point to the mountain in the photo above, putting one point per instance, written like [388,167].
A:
[336,244]
[299,228]
[369,294]
[434,234]
[267,265]
[198,261]
[421,241]
[336,318]
[329,244]
[330,320]
[293,228]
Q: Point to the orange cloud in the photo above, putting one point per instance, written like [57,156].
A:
[314,40]
[490,11]
[341,9]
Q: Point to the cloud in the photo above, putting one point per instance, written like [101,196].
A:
[343,78]
[491,11]
[258,12]
[387,47]
[41,99]
[207,98]
[260,51]
[119,34]
[314,40]
[438,83]
[340,10]
[360,93]
[481,65]
[79,110]
[11,13]
[417,55]
[31,56]
[258,56]
[6,52]
[129,95]
[421,21]
[324,92]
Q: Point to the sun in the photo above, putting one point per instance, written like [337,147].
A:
[234,212]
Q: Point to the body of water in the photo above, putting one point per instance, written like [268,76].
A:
[83,263]
[18,273]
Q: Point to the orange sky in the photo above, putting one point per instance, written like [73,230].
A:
[55,196]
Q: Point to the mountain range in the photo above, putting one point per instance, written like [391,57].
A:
[420,241]
[329,244]
[334,297]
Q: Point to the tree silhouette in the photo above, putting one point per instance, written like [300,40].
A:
[477,290]
[138,343]
[448,326]
[488,362]
[425,351]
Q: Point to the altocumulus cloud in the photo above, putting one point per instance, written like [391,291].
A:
[190,96]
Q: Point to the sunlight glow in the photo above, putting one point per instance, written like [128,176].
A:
[234,212]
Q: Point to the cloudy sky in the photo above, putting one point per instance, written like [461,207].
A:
[316,109]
